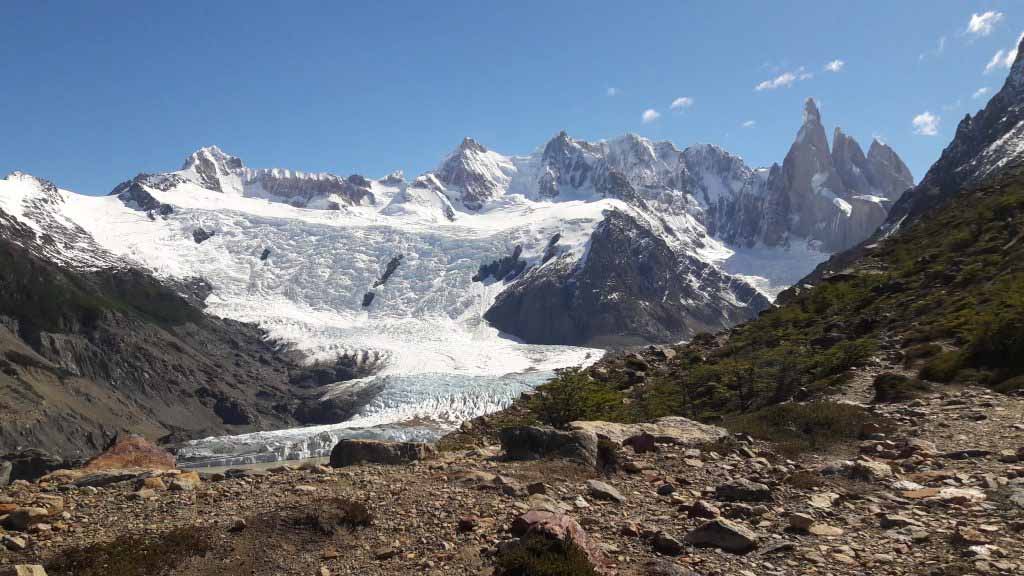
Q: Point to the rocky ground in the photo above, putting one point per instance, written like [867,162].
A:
[943,494]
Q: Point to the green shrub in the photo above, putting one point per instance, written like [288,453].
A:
[574,395]
[941,368]
[890,387]
[919,352]
[535,555]
[799,427]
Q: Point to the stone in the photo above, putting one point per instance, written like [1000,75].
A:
[351,451]
[22,570]
[468,523]
[5,472]
[703,509]
[668,430]
[537,488]
[888,521]
[641,443]
[536,442]
[13,543]
[723,534]
[965,536]
[152,483]
[870,470]
[143,494]
[967,454]
[25,517]
[132,452]
[237,525]
[823,500]
[105,478]
[664,568]
[819,529]
[801,522]
[666,489]
[667,545]
[743,490]
[558,527]
[604,491]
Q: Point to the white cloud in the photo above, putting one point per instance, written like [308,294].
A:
[981,92]
[681,103]
[784,80]
[835,65]
[1003,58]
[749,124]
[613,91]
[926,124]
[649,115]
[983,24]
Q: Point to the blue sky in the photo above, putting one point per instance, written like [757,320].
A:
[93,92]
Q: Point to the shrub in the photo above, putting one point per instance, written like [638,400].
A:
[574,395]
[941,368]
[799,427]
[890,387]
[919,352]
[1011,385]
[535,555]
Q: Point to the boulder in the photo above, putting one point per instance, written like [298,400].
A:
[534,442]
[31,464]
[351,451]
[100,479]
[5,473]
[870,470]
[26,517]
[560,527]
[668,430]
[666,544]
[743,490]
[132,451]
[22,570]
[724,534]
[604,491]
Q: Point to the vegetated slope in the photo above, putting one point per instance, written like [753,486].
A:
[84,355]
[944,295]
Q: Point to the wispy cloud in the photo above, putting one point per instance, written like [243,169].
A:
[681,103]
[983,24]
[1003,58]
[940,47]
[612,91]
[926,124]
[749,124]
[981,92]
[649,115]
[835,65]
[784,80]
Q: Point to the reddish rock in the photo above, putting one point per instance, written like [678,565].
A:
[132,451]
[560,527]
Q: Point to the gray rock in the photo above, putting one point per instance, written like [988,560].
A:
[534,442]
[669,430]
[5,473]
[743,490]
[604,491]
[354,451]
[724,534]
[667,545]
[665,568]
[100,479]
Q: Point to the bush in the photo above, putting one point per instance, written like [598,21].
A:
[574,395]
[920,352]
[800,427]
[942,368]
[890,387]
[1011,385]
[535,555]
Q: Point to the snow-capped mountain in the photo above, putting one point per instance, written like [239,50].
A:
[470,283]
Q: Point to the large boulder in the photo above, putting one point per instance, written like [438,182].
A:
[724,534]
[31,464]
[668,430]
[132,451]
[535,442]
[351,451]
[559,527]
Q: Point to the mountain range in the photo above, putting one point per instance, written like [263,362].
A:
[454,277]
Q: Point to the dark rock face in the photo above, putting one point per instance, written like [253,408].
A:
[535,442]
[630,288]
[200,235]
[265,254]
[505,268]
[134,195]
[368,299]
[337,408]
[349,452]
[389,270]
[983,144]
[30,464]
